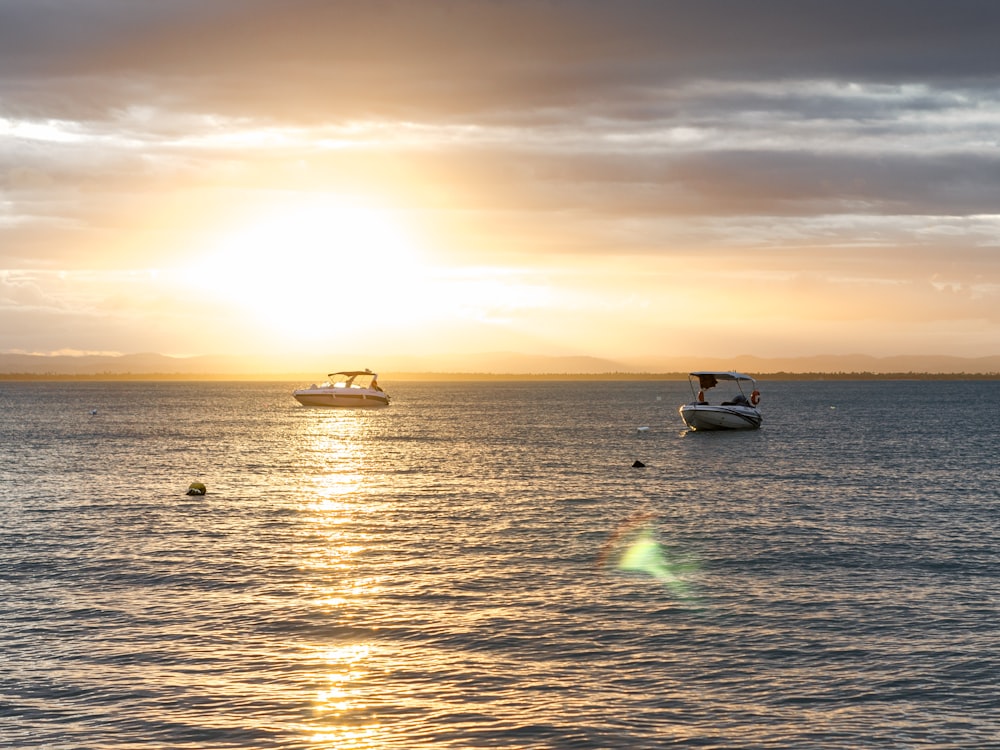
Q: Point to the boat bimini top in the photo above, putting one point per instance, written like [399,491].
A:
[710,378]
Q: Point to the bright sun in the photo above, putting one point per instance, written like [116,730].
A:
[314,259]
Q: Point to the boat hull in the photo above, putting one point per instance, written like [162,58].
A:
[705,417]
[321,397]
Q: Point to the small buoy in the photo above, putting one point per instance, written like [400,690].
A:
[196,488]
[93,411]
[638,465]
[644,428]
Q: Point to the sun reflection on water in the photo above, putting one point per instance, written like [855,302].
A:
[350,737]
[334,509]
[345,668]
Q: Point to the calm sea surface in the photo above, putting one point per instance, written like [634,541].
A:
[448,572]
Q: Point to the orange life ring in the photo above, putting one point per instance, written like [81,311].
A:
[755,398]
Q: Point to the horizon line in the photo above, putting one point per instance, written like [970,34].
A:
[445,376]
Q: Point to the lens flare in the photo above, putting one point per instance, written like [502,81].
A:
[634,548]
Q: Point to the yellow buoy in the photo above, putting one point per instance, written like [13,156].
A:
[196,488]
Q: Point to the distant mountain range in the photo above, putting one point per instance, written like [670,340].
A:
[497,363]
[853,363]
[125,364]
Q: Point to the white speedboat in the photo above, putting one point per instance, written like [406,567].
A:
[734,407]
[355,389]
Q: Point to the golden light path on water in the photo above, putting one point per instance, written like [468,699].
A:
[333,505]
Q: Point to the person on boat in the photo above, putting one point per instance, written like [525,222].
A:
[701,397]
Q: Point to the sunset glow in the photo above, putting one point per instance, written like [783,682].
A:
[310,262]
[337,183]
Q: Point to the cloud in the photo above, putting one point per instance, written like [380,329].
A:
[316,60]
[831,148]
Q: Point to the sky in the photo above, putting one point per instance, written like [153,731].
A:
[620,180]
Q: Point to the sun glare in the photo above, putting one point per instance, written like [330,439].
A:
[328,273]
[319,260]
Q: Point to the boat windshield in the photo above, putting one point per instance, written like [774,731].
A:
[364,379]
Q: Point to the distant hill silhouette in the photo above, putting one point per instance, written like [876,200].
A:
[498,363]
[136,364]
[841,363]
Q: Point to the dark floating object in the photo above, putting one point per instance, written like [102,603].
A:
[196,488]
[638,465]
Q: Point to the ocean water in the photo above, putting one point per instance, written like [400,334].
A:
[481,566]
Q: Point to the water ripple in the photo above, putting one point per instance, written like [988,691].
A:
[444,573]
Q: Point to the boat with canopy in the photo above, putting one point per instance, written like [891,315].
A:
[733,407]
[352,389]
